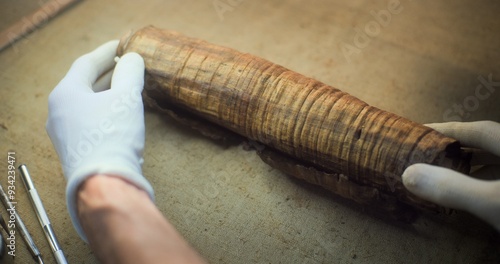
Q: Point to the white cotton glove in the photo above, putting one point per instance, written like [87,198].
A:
[99,132]
[455,190]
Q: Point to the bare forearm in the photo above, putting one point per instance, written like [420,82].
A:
[124,226]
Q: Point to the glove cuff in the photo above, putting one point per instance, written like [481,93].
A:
[78,177]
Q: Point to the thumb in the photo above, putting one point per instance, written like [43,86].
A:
[129,73]
[452,189]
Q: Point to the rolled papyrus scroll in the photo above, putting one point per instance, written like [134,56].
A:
[303,127]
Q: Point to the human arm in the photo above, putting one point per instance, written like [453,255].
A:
[124,226]
[479,194]
[98,129]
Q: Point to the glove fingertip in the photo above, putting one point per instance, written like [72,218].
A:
[426,181]
[129,72]
[130,62]
[413,177]
[133,56]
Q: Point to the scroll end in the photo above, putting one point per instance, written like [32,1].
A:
[122,46]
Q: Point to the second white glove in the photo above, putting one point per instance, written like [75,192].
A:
[455,190]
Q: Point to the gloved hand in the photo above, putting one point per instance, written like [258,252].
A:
[95,131]
[479,194]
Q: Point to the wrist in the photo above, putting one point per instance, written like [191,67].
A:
[111,212]
[124,226]
[103,192]
[107,175]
